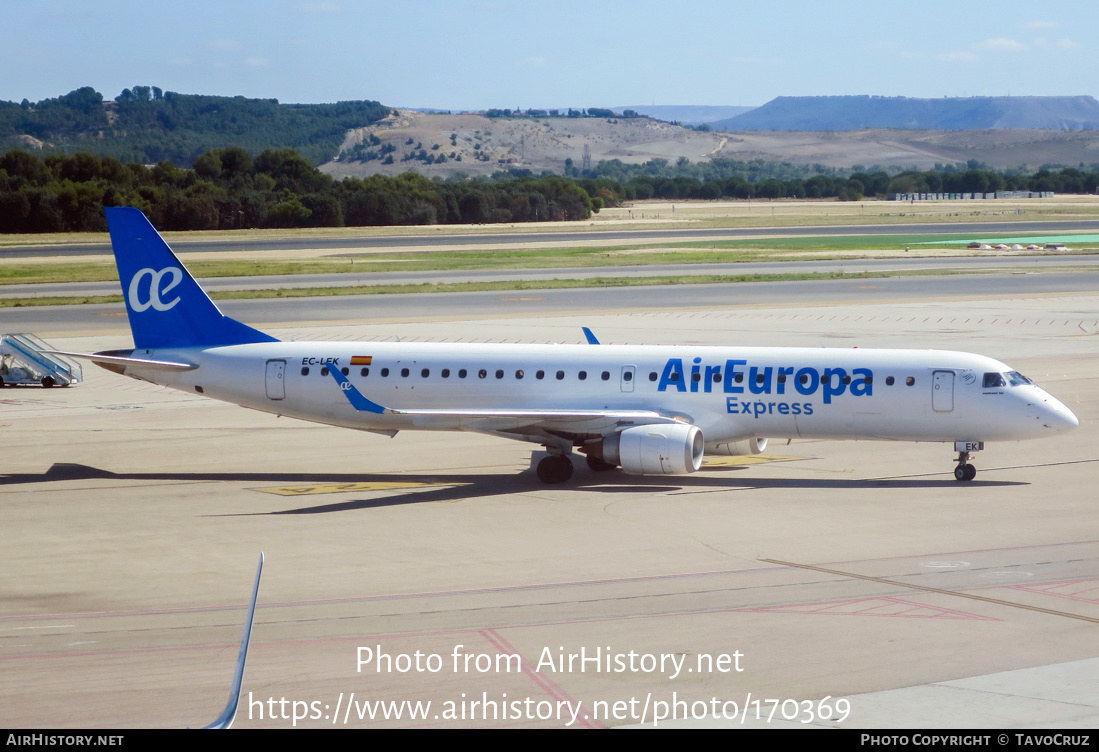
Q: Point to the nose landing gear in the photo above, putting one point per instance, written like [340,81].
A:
[964,471]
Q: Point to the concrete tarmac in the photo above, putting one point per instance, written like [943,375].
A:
[825,583]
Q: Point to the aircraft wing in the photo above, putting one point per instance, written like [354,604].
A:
[537,422]
[641,416]
[511,420]
[225,720]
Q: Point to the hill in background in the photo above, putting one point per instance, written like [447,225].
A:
[363,138]
[687,114]
[477,145]
[962,113]
[147,125]
[440,145]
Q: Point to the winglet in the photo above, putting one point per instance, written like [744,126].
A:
[354,396]
[590,336]
[225,720]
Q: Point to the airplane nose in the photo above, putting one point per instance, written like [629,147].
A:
[1055,416]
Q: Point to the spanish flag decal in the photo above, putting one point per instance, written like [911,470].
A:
[361,360]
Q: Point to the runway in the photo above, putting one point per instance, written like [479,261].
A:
[854,571]
[952,264]
[565,236]
[521,304]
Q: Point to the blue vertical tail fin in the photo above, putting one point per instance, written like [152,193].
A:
[167,307]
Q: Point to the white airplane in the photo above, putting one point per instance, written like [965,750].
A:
[651,410]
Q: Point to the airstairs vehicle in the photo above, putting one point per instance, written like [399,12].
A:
[26,359]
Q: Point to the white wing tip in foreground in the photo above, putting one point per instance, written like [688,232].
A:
[225,720]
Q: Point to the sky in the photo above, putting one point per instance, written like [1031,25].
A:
[477,54]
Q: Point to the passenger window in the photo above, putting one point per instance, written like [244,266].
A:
[519,374]
[404,372]
[910,381]
[697,377]
[739,378]
[324,371]
[385,372]
[582,375]
[627,376]
[540,375]
[345,370]
[993,380]
[560,375]
[445,373]
[889,380]
[606,376]
[499,373]
[462,373]
[652,376]
[305,371]
[482,373]
[846,379]
[759,378]
[781,378]
[364,372]
[425,373]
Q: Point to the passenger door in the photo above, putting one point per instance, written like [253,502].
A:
[942,391]
[276,371]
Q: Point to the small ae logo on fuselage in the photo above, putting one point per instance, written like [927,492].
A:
[156,289]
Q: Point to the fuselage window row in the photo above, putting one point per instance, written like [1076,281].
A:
[627,376]
[482,373]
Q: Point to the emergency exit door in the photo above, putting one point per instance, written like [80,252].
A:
[628,374]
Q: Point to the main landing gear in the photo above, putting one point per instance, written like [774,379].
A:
[556,468]
[964,471]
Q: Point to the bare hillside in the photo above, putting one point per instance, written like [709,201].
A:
[477,145]
[840,113]
[920,149]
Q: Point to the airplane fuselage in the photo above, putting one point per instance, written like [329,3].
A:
[730,393]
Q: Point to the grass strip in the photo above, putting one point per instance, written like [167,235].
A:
[690,252]
[502,286]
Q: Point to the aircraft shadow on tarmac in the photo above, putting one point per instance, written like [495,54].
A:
[456,487]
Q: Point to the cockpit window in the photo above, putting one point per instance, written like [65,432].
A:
[1017,379]
[993,380]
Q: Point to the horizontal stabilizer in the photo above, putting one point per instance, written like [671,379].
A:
[112,359]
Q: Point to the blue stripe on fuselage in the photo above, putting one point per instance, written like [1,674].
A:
[354,396]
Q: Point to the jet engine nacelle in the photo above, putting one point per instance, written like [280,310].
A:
[670,449]
[737,448]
